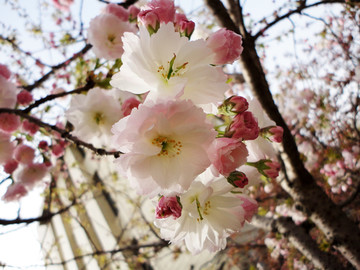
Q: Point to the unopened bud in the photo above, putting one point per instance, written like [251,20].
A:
[267,167]
[186,28]
[168,206]
[272,133]
[150,20]
[238,179]
[234,105]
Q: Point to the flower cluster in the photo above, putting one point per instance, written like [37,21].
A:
[170,148]
[17,158]
[161,122]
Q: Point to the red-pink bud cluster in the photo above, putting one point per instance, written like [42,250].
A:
[24,98]
[244,127]
[168,206]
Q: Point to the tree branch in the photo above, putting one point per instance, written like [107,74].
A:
[300,239]
[125,4]
[292,12]
[43,218]
[334,223]
[37,83]
[64,134]
[37,103]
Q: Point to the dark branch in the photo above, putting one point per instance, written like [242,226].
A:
[87,87]
[111,252]
[125,4]
[292,12]
[43,218]
[64,134]
[37,83]
[300,239]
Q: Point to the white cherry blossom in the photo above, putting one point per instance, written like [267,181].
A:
[169,66]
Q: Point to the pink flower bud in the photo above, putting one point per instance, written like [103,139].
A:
[30,127]
[226,154]
[165,10]
[128,105]
[186,28]
[118,11]
[267,167]
[43,145]
[179,17]
[24,98]
[276,134]
[24,154]
[133,12]
[234,105]
[168,206]
[238,179]
[10,166]
[150,20]
[273,169]
[244,127]
[15,192]
[5,72]
[9,122]
[227,46]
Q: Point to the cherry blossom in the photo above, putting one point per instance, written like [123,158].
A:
[14,192]
[5,72]
[118,11]
[244,127]
[163,10]
[210,213]
[94,114]
[227,154]
[169,66]
[168,206]
[105,34]
[165,146]
[10,166]
[9,122]
[31,174]
[24,97]
[227,46]
[24,154]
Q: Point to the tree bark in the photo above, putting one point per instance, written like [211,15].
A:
[343,233]
[300,239]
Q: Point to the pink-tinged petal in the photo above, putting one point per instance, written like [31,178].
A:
[105,34]
[24,154]
[15,192]
[226,45]
[165,142]
[227,154]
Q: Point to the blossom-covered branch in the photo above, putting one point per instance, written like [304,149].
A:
[64,134]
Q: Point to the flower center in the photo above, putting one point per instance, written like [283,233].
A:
[111,38]
[202,210]
[172,71]
[169,147]
[99,118]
